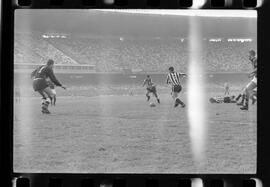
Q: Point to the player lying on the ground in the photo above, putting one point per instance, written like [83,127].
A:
[40,83]
[150,88]
[173,79]
[253,83]
[221,99]
[52,98]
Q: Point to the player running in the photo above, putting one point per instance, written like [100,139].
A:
[248,92]
[150,88]
[40,83]
[173,78]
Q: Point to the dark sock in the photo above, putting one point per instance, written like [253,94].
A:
[181,102]
[246,101]
[238,97]
[243,98]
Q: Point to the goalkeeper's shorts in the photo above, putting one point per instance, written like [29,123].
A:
[39,84]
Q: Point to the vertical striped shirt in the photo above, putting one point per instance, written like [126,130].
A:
[174,78]
[254,64]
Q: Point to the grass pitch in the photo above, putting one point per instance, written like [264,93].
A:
[119,134]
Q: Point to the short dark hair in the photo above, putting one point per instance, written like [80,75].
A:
[148,75]
[50,62]
[252,52]
[171,68]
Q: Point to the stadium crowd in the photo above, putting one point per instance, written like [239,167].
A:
[32,48]
[113,54]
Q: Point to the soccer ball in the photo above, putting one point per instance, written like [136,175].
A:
[152,105]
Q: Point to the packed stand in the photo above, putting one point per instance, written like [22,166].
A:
[113,54]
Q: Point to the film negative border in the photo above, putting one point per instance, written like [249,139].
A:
[59,180]
[159,4]
[26,179]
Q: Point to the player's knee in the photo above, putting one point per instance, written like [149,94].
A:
[52,95]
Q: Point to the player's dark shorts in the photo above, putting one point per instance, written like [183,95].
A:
[176,88]
[40,84]
[152,89]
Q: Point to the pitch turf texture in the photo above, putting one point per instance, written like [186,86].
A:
[119,134]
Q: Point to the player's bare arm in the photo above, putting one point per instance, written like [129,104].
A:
[183,74]
[168,82]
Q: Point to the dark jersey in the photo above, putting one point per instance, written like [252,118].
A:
[45,72]
[148,82]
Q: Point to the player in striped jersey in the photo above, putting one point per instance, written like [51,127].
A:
[150,88]
[173,78]
[248,92]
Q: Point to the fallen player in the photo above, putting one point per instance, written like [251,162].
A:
[221,99]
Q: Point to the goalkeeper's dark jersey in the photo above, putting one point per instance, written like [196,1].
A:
[44,72]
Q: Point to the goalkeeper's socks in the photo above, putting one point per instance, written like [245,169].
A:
[44,107]
[45,111]
[45,104]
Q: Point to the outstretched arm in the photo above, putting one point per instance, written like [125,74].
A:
[183,74]
[54,80]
